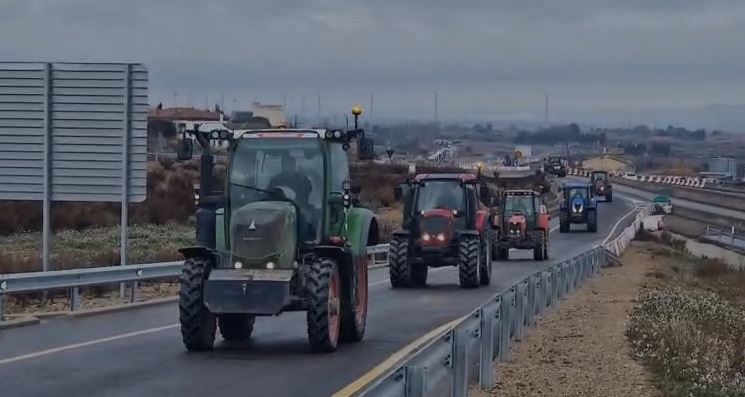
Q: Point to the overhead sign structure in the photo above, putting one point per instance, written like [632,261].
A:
[73,132]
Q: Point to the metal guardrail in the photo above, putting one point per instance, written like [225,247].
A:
[464,353]
[729,237]
[74,279]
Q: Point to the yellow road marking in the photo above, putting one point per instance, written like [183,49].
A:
[392,361]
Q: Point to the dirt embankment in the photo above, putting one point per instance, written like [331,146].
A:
[579,348]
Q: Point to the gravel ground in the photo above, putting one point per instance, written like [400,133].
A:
[579,349]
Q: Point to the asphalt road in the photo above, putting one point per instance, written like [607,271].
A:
[139,352]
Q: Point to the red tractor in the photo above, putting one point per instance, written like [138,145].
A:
[523,223]
[445,223]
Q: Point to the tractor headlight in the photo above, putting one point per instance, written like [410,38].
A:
[337,134]
[224,134]
[215,134]
[329,134]
[238,265]
[426,237]
[441,237]
[270,265]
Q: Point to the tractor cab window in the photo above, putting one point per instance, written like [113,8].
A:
[338,167]
[280,169]
[440,194]
[519,204]
[598,176]
[577,192]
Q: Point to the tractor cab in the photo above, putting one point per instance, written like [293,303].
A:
[520,206]
[577,207]
[600,185]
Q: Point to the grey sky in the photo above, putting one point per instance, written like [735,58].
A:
[484,57]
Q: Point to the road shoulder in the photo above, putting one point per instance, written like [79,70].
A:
[579,349]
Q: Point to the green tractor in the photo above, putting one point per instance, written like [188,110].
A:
[287,235]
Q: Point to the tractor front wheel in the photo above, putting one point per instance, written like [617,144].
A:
[540,248]
[468,262]
[323,290]
[398,262]
[236,327]
[354,311]
[563,221]
[592,221]
[418,274]
[198,324]
[486,263]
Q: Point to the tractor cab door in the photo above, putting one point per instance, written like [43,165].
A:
[338,174]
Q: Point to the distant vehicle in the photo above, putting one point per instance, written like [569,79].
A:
[662,205]
[601,185]
[523,223]
[555,165]
[577,207]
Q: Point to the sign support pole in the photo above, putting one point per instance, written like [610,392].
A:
[47,190]
[125,172]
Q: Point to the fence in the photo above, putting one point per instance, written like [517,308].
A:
[74,279]
[464,352]
[729,237]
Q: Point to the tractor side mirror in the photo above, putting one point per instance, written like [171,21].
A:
[365,148]
[398,192]
[485,193]
[543,209]
[186,149]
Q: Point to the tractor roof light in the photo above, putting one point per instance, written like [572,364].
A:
[337,134]
[356,110]
[329,134]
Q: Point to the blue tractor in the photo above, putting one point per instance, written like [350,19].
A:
[578,206]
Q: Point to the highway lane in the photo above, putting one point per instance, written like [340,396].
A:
[276,362]
[677,202]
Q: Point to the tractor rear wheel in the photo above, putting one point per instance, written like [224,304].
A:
[354,313]
[592,221]
[539,249]
[468,262]
[486,263]
[236,327]
[398,262]
[563,221]
[323,290]
[198,324]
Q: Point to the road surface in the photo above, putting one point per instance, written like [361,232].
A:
[139,352]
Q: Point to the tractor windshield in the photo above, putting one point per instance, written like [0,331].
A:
[283,169]
[523,204]
[441,194]
[599,176]
[577,192]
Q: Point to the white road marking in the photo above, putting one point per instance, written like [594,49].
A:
[171,326]
[85,344]
[633,211]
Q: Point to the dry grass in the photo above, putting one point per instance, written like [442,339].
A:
[94,247]
[688,325]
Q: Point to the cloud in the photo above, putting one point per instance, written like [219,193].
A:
[588,53]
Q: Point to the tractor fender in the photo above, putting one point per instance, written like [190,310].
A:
[201,252]
[469,233]
[340,254]
[360,223]
[482,219]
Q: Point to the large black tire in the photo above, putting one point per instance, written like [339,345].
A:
[486,262]
[592,221]
[354,314]
[468,262]
[198,324]
[398,262]
[539,250]
[418,274]
[323,291]
[609,196]
[495,244]
[503,254]
[564,221]
[236,327]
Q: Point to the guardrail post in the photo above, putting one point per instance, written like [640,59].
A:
[460,362]
[532,297]
[416,381]
[133,292]
[546,284]
[74,298]
[504,328]
[519,311]
[486,372]
[2,307]
[555,283]
[497,333]
[513,312]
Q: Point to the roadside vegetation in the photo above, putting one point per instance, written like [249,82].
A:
[688,324]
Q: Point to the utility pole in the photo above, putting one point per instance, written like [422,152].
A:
[546,109]
[435,106]
[370,118]
[284,102]
[319,108]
